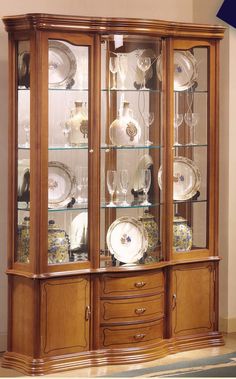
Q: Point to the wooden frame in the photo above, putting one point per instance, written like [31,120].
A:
[141,338]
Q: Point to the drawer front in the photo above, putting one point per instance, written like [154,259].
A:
[132,310]
[125,285]
[131,336]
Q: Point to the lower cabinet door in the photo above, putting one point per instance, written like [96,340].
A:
[193,292]
[65,315]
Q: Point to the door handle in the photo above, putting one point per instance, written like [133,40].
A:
[174,301]
[87,313]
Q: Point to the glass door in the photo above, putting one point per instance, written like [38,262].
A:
[69,124]
[131,151]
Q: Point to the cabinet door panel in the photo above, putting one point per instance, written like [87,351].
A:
[64,325]
[192,299]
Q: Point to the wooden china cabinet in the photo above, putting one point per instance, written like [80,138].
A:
[113,190]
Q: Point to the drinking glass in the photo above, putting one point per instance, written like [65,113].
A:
[124,184]
[113,66]
[144,63]
[148,120]
[66,129]
[82,184]
[145,184]
[191,120]
[123,68]
[111,185]
[178,119]
[26,125]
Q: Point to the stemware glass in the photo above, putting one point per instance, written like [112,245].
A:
[178,119]
[82,184]
[124,185]
[123,68]
[66,129]
[145,184]
[113,66]
[191,120]
[111,185]
[144,63]
[26,126]
[148,120]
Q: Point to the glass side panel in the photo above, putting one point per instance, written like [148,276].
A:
[68,152]
[23,162]
[131,151]
[190,170]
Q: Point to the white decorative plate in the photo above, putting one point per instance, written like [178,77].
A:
[145,162]
[79,230]
[186,176]
[185,70]
[61,65]
[61,184]
[127,239]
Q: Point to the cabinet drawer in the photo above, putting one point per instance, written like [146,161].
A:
[131,310]
[123,285]
[131,336]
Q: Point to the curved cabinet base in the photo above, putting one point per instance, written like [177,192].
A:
[43,366]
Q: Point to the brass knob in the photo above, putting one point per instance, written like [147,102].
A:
[140,311]
[139,284]
[139,337]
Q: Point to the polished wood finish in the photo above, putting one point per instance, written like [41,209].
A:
[80,314]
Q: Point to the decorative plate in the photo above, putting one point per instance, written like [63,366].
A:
[127,239]
[61,184]
[145,162]
[61,65]
[185,70]
[187,178]
[23,180]
[79,231]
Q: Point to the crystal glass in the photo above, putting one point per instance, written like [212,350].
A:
[111,185]
[148,121]
[145,184]
[82,184]
[113,66]
[26,126]
[144,63]
[191,120]
[124,184]
[123,69]
[66,129]
[178,119]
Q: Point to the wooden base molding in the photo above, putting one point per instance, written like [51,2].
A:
[44,366]
[227,325]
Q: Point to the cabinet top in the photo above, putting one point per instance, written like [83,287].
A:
[102,25]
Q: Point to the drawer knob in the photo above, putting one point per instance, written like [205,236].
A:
[139,284]
[140,311]
[139,337]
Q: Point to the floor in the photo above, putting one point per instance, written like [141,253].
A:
[230,346]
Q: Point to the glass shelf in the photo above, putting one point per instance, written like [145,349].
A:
[65,148]
[190,145]
[130,206]
[113,147]
[189,201]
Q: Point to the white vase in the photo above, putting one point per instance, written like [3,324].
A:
[125,130]
[78,124]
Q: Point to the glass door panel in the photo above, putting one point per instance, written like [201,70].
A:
[23,156]
[190,144]
[131,151]
[68,121]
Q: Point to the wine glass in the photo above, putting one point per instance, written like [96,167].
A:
[191,120]
[178,119]
[145,184]
[148,120]
[26,126]
[124,184]
[82,184]
[111,185]
[123,68]
[113,66]
[66,129]
[144,63]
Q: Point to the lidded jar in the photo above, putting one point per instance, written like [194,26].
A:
[23,241]
[151,227]
[182,235]
[125,130]
[58,244]
[78,125]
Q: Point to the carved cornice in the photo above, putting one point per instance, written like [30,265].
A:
[38,21]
